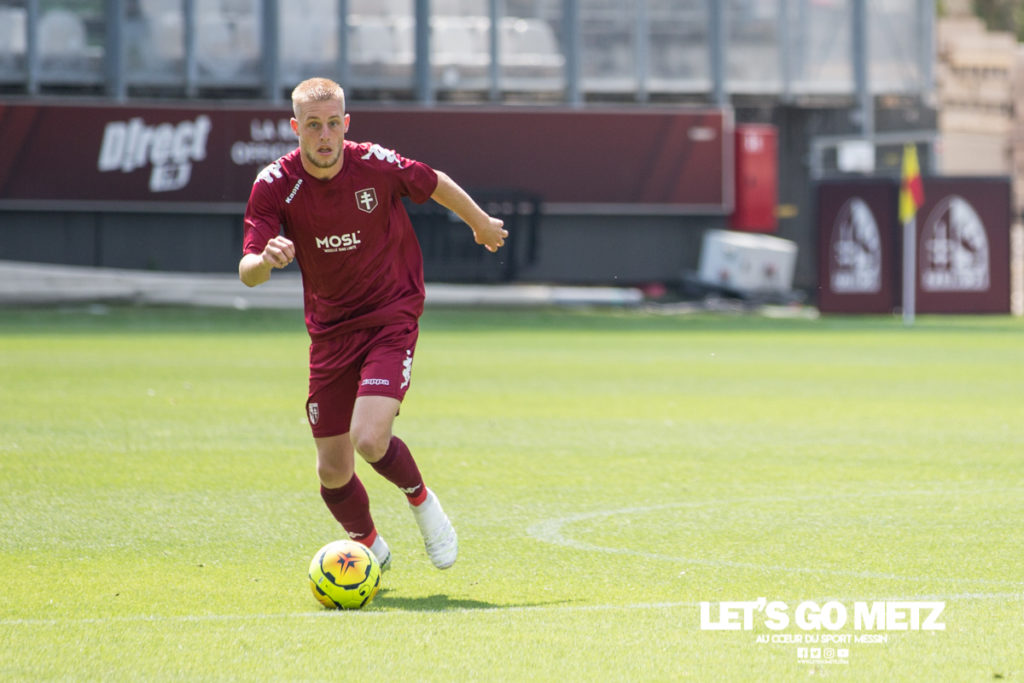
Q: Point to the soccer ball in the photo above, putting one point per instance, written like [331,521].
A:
[345,575]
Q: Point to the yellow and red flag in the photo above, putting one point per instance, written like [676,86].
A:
[911,185]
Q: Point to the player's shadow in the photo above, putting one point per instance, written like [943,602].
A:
[443,603]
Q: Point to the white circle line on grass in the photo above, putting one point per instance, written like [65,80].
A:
[497,609]
[552,531]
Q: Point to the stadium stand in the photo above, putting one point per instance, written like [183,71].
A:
[12,32]
[786,63]
[65,55]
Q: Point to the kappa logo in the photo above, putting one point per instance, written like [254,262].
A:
[269,172]
[407,369]
[294,191]
[314,413]
[366,199]
[383,154]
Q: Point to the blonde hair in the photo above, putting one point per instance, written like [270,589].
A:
[317,90]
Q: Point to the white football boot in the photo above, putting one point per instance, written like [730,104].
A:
[382,552]
[438,534]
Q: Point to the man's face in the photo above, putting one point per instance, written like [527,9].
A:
[321,127]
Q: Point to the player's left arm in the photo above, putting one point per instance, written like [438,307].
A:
[487,230]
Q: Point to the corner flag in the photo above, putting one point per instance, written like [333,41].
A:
[911,199]
[911,186]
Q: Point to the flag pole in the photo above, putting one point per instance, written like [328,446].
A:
[909,270]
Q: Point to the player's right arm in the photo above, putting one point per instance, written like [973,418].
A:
[263,247]
[254,269]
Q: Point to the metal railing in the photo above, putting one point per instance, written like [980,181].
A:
[561,50]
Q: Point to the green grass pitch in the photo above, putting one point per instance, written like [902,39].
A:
[607,471]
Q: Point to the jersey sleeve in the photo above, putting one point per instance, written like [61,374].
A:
[410,178]
[262,218]
[418,180]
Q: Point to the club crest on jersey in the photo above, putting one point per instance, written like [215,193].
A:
[314,413]
[366,199]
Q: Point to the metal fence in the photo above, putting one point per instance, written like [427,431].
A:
[490,50]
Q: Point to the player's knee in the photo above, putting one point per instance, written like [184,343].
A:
[371,443]
[333,475]
[334,464]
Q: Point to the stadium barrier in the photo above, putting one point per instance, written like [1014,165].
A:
[451,255]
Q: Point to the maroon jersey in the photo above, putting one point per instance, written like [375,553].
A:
[360,261]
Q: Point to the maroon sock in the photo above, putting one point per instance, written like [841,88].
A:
[351,507]
[398,467]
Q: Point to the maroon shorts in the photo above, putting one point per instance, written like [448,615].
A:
[371,362]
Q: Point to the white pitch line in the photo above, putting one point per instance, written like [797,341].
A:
[497,609]
[551,531]
[327,613]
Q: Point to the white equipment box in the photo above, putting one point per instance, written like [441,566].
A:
[747,262]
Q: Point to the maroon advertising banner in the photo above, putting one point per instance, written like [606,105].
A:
[962,246]
[163,157]
[857,259]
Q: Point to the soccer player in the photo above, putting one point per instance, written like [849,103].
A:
[335,206]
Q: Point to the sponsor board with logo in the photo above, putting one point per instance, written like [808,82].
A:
[857,246]
[194,158]
[962,246]
[157,157]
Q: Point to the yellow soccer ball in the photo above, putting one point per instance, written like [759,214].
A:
[344,575]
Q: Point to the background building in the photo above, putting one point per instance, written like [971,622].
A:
[843,83]
[977,88]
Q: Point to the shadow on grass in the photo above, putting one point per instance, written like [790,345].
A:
[444,603]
